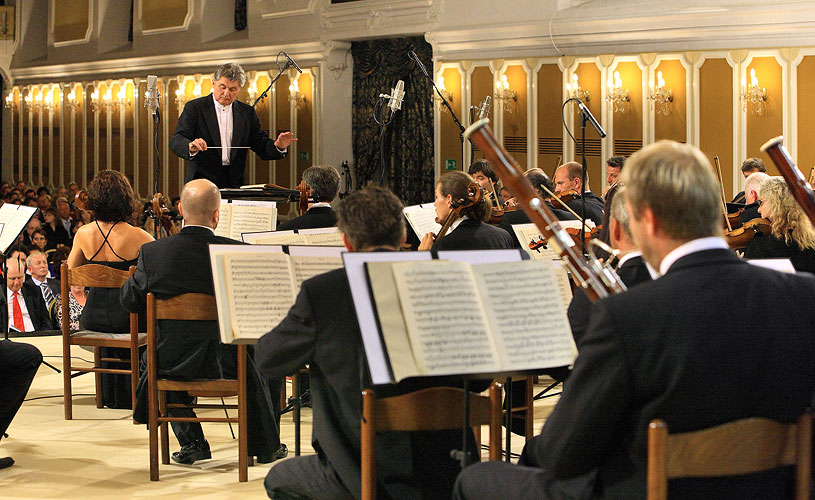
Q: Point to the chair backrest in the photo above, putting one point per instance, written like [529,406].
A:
[743,446]
[91,275]
[432,409]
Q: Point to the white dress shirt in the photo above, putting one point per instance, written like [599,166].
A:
[224,114]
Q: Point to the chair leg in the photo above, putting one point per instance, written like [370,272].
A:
[153,428]
[134,376]
[529,415]
[477,433]
[66,381]
[243,431]
[98,376]
[165,439]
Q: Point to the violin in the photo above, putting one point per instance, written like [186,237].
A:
[741,237]
[474,195]
[162,212]
[562,198]
[596,280]
[81,200]
[573,232]
[801,191]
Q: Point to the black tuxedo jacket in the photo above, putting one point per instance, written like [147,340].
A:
[632,272]
[474,234]
[315,217]
[520,217]
[199,120]
[594,207]
[321,329]
[35,304]
[667,349]
[56,289]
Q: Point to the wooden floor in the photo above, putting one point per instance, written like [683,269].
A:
[102,454]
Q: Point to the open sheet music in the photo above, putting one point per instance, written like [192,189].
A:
[422,218]
[325,236]
[529,234]
[480,324]
[241,216]
[256,285]
[13,220]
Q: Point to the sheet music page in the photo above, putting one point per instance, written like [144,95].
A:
[254,203]
[308,267]
[224,221]
[447,336]
[251,219]
[260,291]
[564,284]
[422,219]
[531,331]
[529,233]
[15,225]
[391,320]
[326,236]
[7,211]
[274,238]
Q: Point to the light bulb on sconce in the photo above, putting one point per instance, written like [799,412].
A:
[575,92]
[617,94]
[754,96]
[9,101]
[505,95]
[295,95]
[180,97]
[661,97]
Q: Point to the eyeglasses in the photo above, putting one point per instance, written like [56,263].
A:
[760,202]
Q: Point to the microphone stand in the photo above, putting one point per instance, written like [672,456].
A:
[266,92]
[444,101]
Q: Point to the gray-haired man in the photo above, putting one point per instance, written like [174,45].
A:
[213,132]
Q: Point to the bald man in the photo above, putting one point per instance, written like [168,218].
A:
[180,264]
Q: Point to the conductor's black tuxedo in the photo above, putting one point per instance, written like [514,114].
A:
[35,305]
[313,218]
[671,349]
[199,120]
[321,329]
[473,234]
[192,349]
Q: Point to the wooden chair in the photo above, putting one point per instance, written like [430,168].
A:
[97,275]
[744,446]
[190,306]
[433,409]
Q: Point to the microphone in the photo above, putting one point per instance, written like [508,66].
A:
[152,96]
[397,94]
[484,108]
[291,62]
[590,118]
[413,56]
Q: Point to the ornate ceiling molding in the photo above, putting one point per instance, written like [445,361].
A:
[380,17]
[274,9]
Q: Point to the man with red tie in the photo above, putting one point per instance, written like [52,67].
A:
[25,309]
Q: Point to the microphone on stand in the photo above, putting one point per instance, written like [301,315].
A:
[484,108]
[397,94]
[591,119]
[291,62]
[152,97]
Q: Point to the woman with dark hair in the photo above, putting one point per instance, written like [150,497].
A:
[112,242]
[792,235]
[470,231]
[54,231]
[39,241]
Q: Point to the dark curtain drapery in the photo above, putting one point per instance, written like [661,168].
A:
[378,65]
[240,15]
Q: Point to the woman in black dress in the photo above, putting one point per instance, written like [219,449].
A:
[470,232]
[112,242]
[792,234]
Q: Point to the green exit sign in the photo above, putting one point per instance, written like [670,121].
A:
[450,165]
[303,155]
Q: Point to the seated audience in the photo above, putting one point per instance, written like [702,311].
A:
[663,349]
[50,289]
[24,309]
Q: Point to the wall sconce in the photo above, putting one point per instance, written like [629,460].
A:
[660,96]
[48,101]
[617,94]
[37,104]
[95,100]
[295,95]
[121,97]
[72,99]
[180,97]
[505,95]
[29,99]
[9,101]
[575,92]
[443,90]
[754,95]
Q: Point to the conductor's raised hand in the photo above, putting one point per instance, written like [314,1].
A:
[198,145]
[427,241]
[284,140]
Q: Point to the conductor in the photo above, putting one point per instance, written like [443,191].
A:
[214,132]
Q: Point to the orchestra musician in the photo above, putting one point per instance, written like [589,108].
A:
[220,121]
[792,235]
[665,349]
[614,167]
[539,181]
[323,184]
[751,187]
[749,166]
[321,329]
[110,241]
[470,231]
[482,173]
[569,177]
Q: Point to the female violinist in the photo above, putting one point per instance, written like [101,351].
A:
[792,235]
[469,231]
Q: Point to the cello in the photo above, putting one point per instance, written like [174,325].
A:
[474,195]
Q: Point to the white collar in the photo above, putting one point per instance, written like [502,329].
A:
[455,224]
[636,253]
[219,106]
[38,282]
[320,204]
[196,225]
[693,246]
